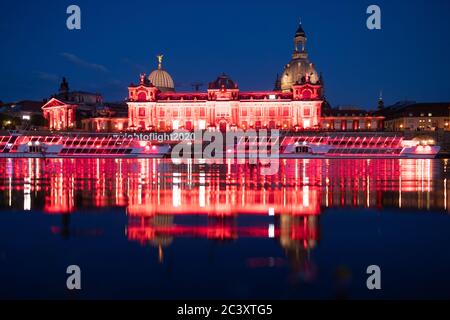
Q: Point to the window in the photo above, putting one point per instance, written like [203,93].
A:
[285,112]
[161,112]
[306,94]
[175,112]
[272,112]
[188,125]
[244,112]
[142,96]
[258,112]
[141,112]
[202,112]
[307,112]
[188,112]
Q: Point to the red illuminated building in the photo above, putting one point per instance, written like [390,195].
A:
[297,102]
[153,104]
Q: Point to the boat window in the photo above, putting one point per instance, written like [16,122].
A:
[301,149]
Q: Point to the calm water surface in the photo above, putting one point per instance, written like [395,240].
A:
[147,228]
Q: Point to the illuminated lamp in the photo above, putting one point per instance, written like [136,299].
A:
[154,148]
[30,144]
[142,143]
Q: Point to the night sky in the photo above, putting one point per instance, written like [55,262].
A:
[249,40]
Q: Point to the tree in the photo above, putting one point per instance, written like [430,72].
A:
[37,120]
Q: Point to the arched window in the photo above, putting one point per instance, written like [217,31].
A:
[142,96]
[306,94]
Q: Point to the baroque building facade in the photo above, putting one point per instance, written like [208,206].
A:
[296,103]
[153,104]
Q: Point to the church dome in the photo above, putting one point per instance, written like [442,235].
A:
[161,79]
[299,69]
[223,82]
[296,70]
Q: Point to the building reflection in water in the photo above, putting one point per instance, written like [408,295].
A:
[229,201]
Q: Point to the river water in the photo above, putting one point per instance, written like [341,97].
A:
[151,229]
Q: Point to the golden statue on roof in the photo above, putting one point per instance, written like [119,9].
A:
[160,59]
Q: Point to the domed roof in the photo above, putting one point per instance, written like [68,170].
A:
[223,82]
[299,69]
[160,78]
[296,70]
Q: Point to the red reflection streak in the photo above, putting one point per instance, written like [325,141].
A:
[149,187]
[142,233]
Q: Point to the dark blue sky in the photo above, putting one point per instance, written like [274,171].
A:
[249,40]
